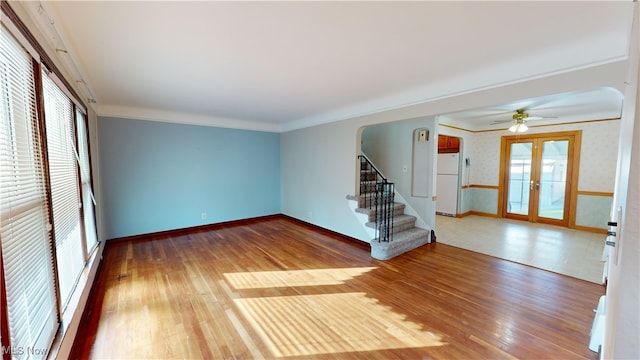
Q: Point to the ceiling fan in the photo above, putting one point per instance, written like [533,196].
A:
[520,119]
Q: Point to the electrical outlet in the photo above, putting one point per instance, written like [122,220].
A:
[203,216]
[405,168]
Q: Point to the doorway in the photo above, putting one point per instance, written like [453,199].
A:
[539,177]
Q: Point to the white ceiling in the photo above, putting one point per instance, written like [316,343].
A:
[585,105]
[283,65]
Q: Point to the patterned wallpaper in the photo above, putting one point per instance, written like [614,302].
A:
[485,158]
[599,155]
[599,152]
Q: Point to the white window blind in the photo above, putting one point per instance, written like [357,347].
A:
[88,199]
[24,219]
[63,175]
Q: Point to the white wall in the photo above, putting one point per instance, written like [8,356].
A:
[318,170]
[390,147]
[622,325]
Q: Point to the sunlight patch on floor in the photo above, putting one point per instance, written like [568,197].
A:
[276,279]
[331,323]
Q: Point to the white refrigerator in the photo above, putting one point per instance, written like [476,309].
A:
[447,184]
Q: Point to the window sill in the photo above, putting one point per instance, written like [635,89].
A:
[63,341]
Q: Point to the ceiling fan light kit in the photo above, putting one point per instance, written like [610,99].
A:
[519,119]
[519,127]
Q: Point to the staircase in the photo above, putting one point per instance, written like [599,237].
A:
[394,232]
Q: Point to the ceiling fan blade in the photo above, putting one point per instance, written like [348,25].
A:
[551,102]
[560,107]
[534,118]
[541,102]
[530,118]
[493,113]
[501,122]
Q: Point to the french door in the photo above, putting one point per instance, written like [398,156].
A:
[539,174]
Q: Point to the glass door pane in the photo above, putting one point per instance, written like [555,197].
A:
[519,178]
[553,179]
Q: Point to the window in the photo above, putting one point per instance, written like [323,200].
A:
[24,210]
[65,189]
[88,199]
[47,222]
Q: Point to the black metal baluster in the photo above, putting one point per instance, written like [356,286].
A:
[391,208]
[379,197]
[377,213]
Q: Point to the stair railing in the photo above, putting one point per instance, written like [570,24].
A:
[384,211]
[378,194]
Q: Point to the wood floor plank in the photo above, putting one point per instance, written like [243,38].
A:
[279,288]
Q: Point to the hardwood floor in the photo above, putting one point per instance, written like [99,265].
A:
[278,288]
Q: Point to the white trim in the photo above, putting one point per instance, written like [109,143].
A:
[136,113]
[70,321]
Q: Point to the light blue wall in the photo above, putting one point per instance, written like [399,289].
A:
[466,200]
[484,200]
[593,211]
[158,176]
